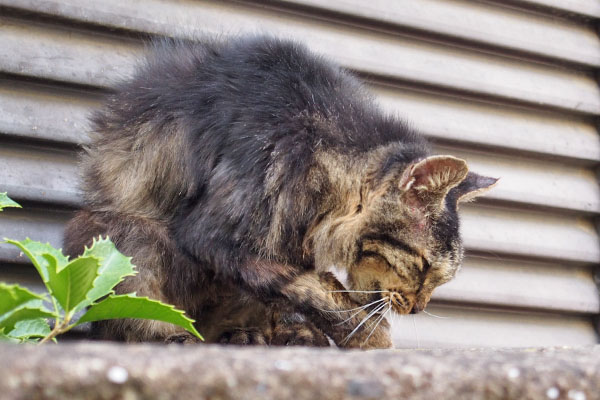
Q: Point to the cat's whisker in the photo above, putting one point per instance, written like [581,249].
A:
[365,319]
[416,332]
[358,291]
[351,309]
[395,318]
[489,255]
[366,305]
[358,312]
[392,320]
[350,317]
[436,316]
[377,322]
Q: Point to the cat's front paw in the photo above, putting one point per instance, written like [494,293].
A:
[182,338]
[299,334]
[243,337]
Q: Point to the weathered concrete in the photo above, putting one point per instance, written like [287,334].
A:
[87,370]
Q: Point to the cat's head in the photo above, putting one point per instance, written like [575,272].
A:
[402,239]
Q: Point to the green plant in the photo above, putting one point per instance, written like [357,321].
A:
[74,285]
[5,202]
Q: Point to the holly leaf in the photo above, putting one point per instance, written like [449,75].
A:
[15,296]
[35,252]
[5,201]
[18,304]
[31,328]
[31,311]
[71,283]
[131,306]
[5,337]
[114,267]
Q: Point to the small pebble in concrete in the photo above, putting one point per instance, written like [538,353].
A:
[414,372]
[262,388]
[283,365]
[553,393]
[366,389]
[576,395]
[117,374]
[514,373]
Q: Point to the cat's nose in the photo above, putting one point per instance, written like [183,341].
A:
[416,309]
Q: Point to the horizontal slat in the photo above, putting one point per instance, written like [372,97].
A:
[42,225]
[64,55]
[478,22]
[535,182]
[588,8]
[393,57]
[25,276]
[530,234]
[505,283]
[39,174]
[472,328]
[39,112]
[501,128]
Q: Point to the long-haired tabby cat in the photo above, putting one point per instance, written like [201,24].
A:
[236,173]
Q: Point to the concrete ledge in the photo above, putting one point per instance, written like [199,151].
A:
[92,370]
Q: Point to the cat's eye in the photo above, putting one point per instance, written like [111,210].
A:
[372,254]
[359,208]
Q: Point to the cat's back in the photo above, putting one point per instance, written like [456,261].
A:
[194,110]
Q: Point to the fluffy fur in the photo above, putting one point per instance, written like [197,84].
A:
[235,173]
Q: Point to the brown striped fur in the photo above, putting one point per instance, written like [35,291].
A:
[235,174]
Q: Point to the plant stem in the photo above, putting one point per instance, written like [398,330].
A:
[59,328]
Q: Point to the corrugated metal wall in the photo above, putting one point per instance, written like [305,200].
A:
[508,85]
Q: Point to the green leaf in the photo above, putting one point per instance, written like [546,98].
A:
[17,304]
[5,337]
[35,252]
[71,283]
[5,201]
[24,313]
[30,328]
[130,306]
[114,267]
[14,296]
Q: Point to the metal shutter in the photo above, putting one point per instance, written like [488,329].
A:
[508,85]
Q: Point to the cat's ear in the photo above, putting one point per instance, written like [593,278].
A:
[428,181]
[474,185]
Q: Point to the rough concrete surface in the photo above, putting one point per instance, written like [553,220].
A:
[93,370]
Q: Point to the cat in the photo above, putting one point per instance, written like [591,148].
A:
[236,172]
